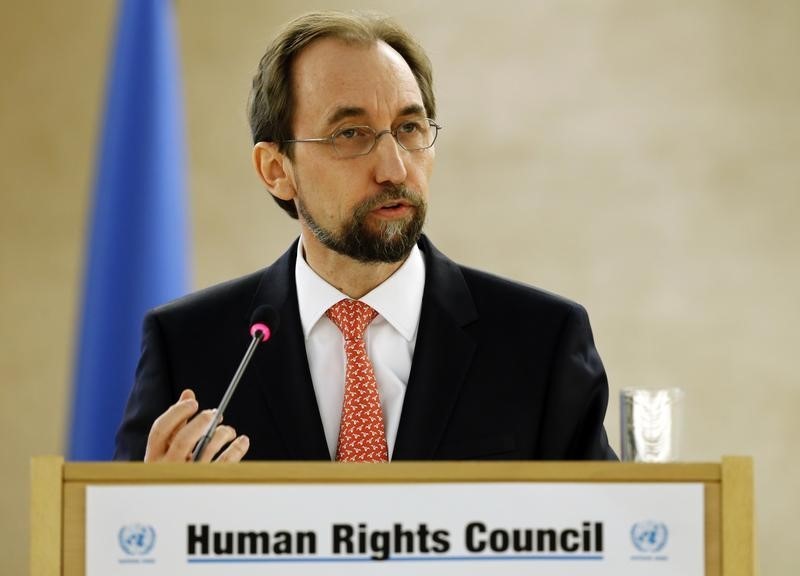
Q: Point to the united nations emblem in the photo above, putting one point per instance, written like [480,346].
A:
[649,536]
[136,539]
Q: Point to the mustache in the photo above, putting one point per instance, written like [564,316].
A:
[390,193]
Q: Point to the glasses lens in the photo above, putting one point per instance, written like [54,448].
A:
[353,141]
[416,134]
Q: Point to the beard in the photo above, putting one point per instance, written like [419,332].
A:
[387,241]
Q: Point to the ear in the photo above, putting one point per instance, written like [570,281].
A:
[274,169]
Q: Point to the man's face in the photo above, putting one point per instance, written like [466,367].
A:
[370,208]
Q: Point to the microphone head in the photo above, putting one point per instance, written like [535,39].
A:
[265,321]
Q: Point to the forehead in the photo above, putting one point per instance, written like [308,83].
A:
[330,75]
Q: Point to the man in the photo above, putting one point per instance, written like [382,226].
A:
[387,349]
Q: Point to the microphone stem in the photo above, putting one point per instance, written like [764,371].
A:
[198,450]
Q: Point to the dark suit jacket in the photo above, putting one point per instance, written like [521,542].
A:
[500,370]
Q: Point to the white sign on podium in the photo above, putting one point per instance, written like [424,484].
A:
[425,529]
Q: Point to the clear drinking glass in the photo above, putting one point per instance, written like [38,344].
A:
[651,423]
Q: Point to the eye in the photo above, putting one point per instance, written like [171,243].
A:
[352,133]
[409,127]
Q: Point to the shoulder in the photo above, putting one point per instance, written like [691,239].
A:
[530,310]
[488,287]
[224,293]
[223,306]
[495,296]
[230,303]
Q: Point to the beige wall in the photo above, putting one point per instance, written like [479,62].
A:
[641,158]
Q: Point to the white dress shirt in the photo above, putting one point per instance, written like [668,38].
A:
[390,340]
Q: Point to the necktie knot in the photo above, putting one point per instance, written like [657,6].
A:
[351,317]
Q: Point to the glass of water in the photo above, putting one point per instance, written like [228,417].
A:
[651,422]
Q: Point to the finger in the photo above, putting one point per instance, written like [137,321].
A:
[236,451]
[165,426]
[222,435]
[185,439]
[187,394]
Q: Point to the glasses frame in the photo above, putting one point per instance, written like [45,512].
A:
[376,135]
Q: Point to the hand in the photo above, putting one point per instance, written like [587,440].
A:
[175,433]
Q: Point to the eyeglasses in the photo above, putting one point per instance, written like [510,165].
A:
[353,141]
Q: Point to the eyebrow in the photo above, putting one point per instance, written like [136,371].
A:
[413,109]
[344,112]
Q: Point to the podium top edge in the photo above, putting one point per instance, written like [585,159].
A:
[315,472]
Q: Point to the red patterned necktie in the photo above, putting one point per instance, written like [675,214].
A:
[362,437]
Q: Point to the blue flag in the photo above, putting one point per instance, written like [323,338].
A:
[137,251]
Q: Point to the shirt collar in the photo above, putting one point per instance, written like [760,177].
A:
[398,299]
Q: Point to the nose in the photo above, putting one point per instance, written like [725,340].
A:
[389,163]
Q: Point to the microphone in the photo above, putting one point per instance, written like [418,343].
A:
[263,324]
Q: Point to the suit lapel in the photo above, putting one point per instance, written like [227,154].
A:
[442,356]
[281,366]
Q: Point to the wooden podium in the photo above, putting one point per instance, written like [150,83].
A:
[58,495]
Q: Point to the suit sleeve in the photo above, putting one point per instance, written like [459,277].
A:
[577,397]
[151,395]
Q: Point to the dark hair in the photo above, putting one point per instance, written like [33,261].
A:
[271,105]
